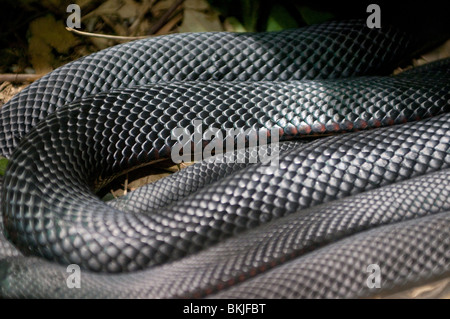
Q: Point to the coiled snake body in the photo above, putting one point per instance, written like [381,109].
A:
[307,227]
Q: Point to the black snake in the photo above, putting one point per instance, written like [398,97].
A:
[306,227]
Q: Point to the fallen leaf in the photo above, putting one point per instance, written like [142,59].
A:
[199,17]
[46,35]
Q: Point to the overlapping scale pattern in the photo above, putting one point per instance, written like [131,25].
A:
[330,50]
[305,227]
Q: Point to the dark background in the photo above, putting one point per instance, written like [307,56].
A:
[428,20]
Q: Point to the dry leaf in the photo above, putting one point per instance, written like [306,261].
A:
[199,17]
[47,35]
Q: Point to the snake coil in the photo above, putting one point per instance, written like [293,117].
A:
[307,227]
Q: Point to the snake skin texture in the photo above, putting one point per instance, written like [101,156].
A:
[307,227]
[6,248]
[287,239]
[304,278]
[177,186]
[91,136]
[329,50]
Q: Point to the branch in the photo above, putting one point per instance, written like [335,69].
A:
[165,17]
[106,36]
[19,78]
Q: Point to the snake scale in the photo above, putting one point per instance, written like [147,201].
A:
[362,174]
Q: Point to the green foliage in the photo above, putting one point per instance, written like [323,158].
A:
[3,165]
[264,15]
[245,11]
[280,18]
[313,16]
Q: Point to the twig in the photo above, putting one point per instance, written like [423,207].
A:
[125,188]
[106,36]
[19,78]
[165,17]
[112,192]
